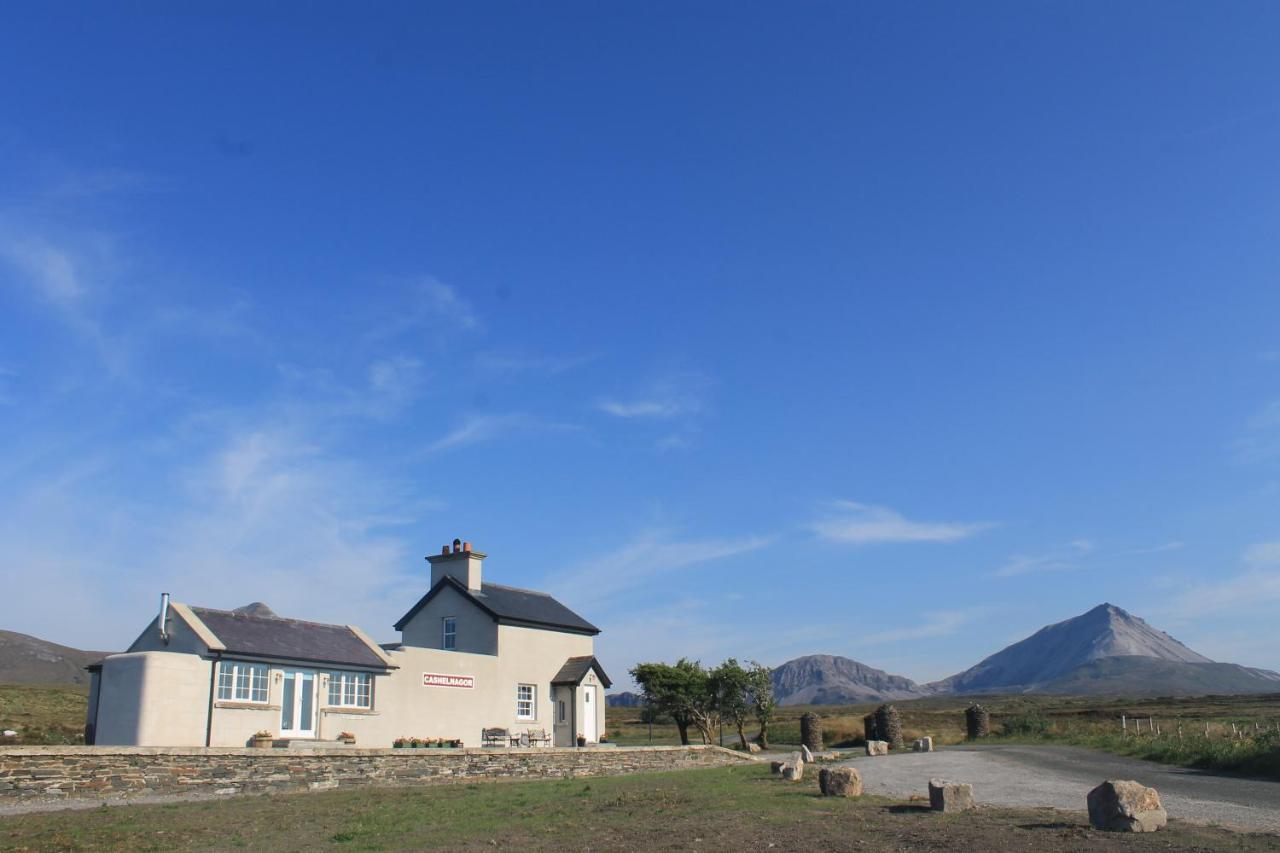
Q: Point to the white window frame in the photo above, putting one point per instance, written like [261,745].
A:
[526,705]
[449,638]
[350,690]
[240,681]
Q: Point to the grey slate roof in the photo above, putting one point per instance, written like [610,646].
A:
[576,669]
[511,605]
[290,639]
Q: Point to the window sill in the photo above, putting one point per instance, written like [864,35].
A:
[245,706]
[335,709]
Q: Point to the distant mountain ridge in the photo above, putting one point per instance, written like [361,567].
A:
[1104,651]
[833,680]
[29,660]
[1059,651]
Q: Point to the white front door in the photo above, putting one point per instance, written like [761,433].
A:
[298,704]
[589,713]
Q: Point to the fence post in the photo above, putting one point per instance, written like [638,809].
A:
[1124,725]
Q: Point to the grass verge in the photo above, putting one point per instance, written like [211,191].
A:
[717,809]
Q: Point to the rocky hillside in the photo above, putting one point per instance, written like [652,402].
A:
[832,680]
[29,660]
[625,699]
[1106,650]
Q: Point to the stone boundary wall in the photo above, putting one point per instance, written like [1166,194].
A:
[42,773]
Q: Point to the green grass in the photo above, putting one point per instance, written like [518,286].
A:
[43,714]
[734,808]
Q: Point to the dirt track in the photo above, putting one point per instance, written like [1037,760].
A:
[1061,777]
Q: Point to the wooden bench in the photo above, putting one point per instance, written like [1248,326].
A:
[495,737]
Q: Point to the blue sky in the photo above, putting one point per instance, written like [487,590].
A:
[747,329]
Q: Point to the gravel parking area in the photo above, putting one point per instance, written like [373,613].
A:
[1061,777]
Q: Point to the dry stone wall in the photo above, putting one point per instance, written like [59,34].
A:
[36,773]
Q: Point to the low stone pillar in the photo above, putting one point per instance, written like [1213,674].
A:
[924,744]
[950,796]
[811,731]
[1126,806]
[889,725]
[840,782]
[869,727]
[977,721]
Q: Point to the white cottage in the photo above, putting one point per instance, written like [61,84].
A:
[472,656]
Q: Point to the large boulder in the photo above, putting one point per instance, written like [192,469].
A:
[1126,806]
[950,796]
[793,772]
[924,744]
[877,747]
[840,782]
[753,748]
[776,766]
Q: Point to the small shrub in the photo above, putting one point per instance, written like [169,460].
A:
[1025,725]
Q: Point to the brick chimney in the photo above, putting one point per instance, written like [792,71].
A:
[460,562]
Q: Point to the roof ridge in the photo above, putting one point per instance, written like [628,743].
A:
[483,584]
[236,615]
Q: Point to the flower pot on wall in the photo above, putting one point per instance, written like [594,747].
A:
[261,742]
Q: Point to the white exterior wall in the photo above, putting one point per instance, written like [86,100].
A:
[153,698]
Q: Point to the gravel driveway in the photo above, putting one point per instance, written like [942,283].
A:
[1061,776]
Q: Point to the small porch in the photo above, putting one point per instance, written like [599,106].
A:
[578,693]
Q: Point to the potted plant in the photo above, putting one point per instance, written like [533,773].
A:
[400,742]
[582,739]
[262,740]
[456,743]
[347,737]
[415,743]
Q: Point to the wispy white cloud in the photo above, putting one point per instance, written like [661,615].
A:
[1063,558]
[482,428]
[50,270]
[673,396]
[1253,590]
[940,623]
[864,524]
[640,562]
[642,408]
[1260,439]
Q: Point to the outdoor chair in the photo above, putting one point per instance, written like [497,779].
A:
[495,737]
[539,737]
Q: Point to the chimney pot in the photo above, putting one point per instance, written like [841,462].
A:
[457,545]
[444,550]
[466,547]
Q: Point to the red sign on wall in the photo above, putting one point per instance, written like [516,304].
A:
[436,679]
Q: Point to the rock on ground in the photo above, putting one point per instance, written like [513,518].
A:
[806,754]
[776,766]
[950,796]
[924,744]
[1126,806]
[840,782]
[877,747]
[793,772]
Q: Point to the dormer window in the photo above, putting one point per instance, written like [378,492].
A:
[449,629]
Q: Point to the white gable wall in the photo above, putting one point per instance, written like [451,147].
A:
[477,630]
